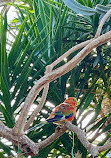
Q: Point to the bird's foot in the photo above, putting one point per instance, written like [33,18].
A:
[58,128]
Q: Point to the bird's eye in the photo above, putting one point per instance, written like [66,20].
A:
[74,100]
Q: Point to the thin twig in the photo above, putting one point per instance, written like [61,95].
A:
[42,101]
[71,50]
[106,16]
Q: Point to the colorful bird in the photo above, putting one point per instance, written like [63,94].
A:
[63,112]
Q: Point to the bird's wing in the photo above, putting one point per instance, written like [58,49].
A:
[61,113]
[55,116]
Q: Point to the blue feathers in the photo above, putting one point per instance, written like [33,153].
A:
[54,119]
[69,116]
[36,126]
[59,117]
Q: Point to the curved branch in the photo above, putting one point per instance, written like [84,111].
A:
[106,16]
[42,101]
[39,107]
[104,147]
[49,69]
[71,50]
[20,124]
[83,139]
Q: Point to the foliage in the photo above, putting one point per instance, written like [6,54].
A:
[47,29]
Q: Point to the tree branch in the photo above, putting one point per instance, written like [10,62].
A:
[104,147]
[49,69]
[106,16]
[82,137]
[20,124]
[30,148]
[42,101]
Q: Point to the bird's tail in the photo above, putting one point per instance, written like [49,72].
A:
[37,126]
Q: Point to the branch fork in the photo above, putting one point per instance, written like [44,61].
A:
[30,148]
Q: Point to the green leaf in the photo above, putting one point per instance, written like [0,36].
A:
[89,3]
[18,65]
[50,29]
[8,118]
[59,4]
[88,100]
[23,87]
[106,152]
[42,14]
[105,2]
[13,55]
[97,111]
[108,127]
[6,95]
[5,148]
[96,61]
[21,77]
[98,108]
[81,2]
[78,8]
[2,155]
[40,25]
[98,2]
[3,54]
[98,124]
[104,140]
[61,21]
[90,89]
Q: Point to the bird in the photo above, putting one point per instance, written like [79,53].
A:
[63,113]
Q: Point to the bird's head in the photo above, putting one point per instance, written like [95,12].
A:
[71,100]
